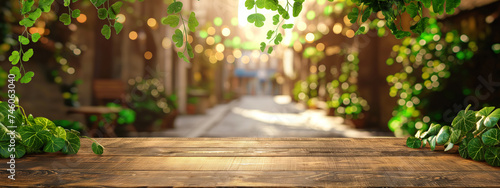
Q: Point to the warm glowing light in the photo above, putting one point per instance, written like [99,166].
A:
[310,37]
[166,43]
[337,28]
[121,18]
[219,56]
[212,59]
[264,58]
[323,28]
[349,33]
[72,27]
[245,59]
[219,47]
[347,22]
[151,22]
[297,46]
[198,48]
[301,26]
[380,15]
[148,55]
[230,59]
[190,39]
[313,69]
[82,18]
[255,54]
[320,47]
[237,53]
[208,52]
[332,50]
[210,40]
[211,31]
[33,30]
[226,32]
[132,35]
[71,70]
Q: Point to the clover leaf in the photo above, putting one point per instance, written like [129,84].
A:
[192,22]
[178,38]
[256,18]
[106,31]
[171,20]
[174,8]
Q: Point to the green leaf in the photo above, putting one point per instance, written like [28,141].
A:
[72,143]
[260,3]
[249,4]
[75,13]
[106,31]
[413,142]
[412,9]
[54,144]
[270,50]
[189,50]
[27,22]
[492,156]
[97,148]
[361,30]
[465,120]
[427,3]
[273,5]
[276,19]
[44,5]
[455,136]
[434,129]
[4,133]
[297,8]
[282,12]
[66,3]
[34,136]
[449,147]
[270,34]
[366,14]
[451,5]
[178,38]
[45,123]
[33,16]
[432,142]
[278,39]
[19,150]
[353,15]
[444,135]
[287,26]
[27,5]
[420,26]
[257,18]
[491,137]
[23,40]
[102,13]
[27,77]
[118,27]
[172,20]
[14,57]
[98,3]
[15,70]
[65,18]
[27,55]
[114,9]
[462,149]
[476,149]
[182,56]
[492,119]
[262,46]
[35,37]
[174,8]
[192,22]
[60,132]
[438,6]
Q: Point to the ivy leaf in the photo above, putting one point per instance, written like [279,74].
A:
[44,5]
[257,18]
[54,144]
[174,8]
[278,39]
[432,142]
[353,15]
[412,9]
[97,148]
[60,132]
[98,3]
[276,19]
[476,149]
[420,26]
[178,38]
[413,142]
[434,129]
[114,9]
[34,136]
[72,143]
[270,50]
[65,18]
[106,31]
[492,119]
[366,14]
[192,22]
[270,34]
[482,114]
[27,55]
[35,37]
[297,8]
[27,5]
[189,50]
[451,5]
[4,136]
[287,26]
[15,70]
[449,147]
[491,137]
[19,152]
[262,46]
[45,123]
[182,56]
[118,27]
[465,120]
[27,77]
[102,13]
[361,30]
[492,156]
[14,57]
[23,40]
[172,20]
[462,149]
[438,6]
[455,136]
[249,4]
[444,135]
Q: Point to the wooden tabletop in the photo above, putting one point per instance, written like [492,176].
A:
[284,162]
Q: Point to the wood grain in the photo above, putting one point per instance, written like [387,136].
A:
[284,162]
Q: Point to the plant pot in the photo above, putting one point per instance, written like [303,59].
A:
[169,120]
[191,109]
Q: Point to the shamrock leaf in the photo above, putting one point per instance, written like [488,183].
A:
[35,37]
[14,57]
[174,8]
[106,31]
[276,19]
[75,13]
[249,4]
[102,13]
[278,38]
[178,38]
[270,34]
[118,27]
[262,46]
[27,55]
[257,18]
[270,50]
[27,77]
[182,56]
[171,20]
[192,22]
[353,15]
[114,9]
[65,18]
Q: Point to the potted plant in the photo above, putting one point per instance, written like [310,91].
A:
[352,108]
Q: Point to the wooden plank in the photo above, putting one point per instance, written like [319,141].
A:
[79,178]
